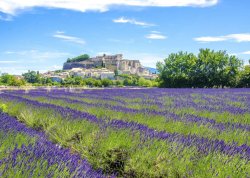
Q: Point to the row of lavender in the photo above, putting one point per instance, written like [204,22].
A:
[39,157]
[212,124]
[216,100]
[204,145]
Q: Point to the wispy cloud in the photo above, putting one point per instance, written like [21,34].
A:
[147,59]
[8,62]
[20,61]
[104,52]
[73,39]
[155,31]
[13,6]
[132,21]
[240,53]
[246,52]
[241,37]
[36,55]
[156,36]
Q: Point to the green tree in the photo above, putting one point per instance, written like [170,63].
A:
[116,72]
[98,83]
[176,69]
[141,81]
[78,58]
[11,80]
[127,82]
[78,81]
[90,82]
[216,69]
[32,77]
[208,69]
[106,82]
[119,82]
[245,77]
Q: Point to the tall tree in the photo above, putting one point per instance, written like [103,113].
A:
[176,69]
[208,69]
[32,77]
[245,77]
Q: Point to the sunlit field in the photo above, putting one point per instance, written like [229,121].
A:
[125,133]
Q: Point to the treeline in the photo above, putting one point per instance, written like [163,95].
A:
[78,58]
[207,69]
[11,80]
[127,80]
[35,79]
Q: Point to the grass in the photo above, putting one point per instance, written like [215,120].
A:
[161,123]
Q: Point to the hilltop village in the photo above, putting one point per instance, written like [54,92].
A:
[100,67]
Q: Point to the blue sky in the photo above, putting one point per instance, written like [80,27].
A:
[42,34]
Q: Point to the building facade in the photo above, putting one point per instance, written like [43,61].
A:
[112,63]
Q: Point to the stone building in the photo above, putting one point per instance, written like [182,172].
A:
[98,73]
[112,63]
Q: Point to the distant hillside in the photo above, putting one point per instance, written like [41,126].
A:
[152,70]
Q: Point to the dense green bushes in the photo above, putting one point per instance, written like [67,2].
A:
[207,69]
[11,80]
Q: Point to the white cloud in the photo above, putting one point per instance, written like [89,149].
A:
[13,6]
[63,36]
[241,37]
[132,21]
[210,39]
[233,54]
[246,52]
[146,59]
[102,53]
[156,36]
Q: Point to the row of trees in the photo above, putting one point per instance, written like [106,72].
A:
[11,80]
[207,69]
[34,78]
[127,80]
[78,58]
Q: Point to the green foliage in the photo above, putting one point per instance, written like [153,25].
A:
[106,82]
[119,83]
[134,80]
[92,82]
[176,69]
[80,58]
[32,77]
[208,69]
[3,108]
[11,80]
[144,83]
[245,77]
[116,72]
[98,83]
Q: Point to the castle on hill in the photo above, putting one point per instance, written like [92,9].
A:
[112,63]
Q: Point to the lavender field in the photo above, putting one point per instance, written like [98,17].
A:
[125,133]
